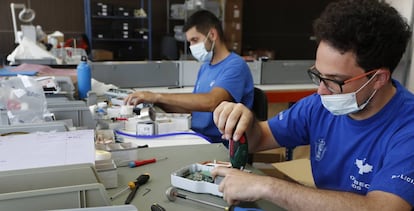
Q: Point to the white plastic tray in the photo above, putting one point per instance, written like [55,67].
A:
[178,180]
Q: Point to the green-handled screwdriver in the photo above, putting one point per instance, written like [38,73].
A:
[238,152]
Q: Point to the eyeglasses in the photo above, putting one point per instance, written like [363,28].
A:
[332,85]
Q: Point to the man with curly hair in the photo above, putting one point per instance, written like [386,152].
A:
[359,124]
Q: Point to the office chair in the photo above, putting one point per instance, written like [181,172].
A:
[260,107]
[169,49]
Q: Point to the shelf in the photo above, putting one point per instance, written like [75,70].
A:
[120,40]
[118,17]
[177,16]
[113,26]
[177,19]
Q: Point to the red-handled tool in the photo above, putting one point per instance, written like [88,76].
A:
[136,163]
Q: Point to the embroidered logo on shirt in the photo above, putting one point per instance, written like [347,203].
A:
[320,149]
[363,168]
[359,185]
[404,178]
[280,115]
[212,83]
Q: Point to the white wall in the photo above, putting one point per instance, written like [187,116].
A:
[405,7]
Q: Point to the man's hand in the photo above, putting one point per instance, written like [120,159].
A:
[238,185]
[141,97]
[232,119]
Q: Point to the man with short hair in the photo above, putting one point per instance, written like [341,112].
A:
[223,76]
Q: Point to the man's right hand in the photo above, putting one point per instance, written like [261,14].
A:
[141,97]
[232,119]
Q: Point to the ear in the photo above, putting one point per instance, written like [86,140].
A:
[383,77]
[213,34]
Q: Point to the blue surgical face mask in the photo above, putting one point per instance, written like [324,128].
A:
[342,104]
[200,52]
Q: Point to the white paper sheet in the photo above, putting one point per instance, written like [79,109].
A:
[46,149]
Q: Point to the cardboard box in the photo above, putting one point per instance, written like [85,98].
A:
[273,163]
[297,170]
[102,55]
[270,156]
[263,161]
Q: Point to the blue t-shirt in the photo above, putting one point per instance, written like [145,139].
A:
[231,74]
[355,156]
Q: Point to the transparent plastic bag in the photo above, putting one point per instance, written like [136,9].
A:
[24,99]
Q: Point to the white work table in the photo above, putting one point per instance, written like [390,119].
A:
[276,93]
[160,178]
[171,140]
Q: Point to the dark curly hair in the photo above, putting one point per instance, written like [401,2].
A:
[373,30]
[204,20]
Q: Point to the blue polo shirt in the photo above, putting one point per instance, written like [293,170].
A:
[231,74]
[356,156]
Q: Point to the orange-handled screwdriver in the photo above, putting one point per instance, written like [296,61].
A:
[131,185]
[142,179]
[136,163]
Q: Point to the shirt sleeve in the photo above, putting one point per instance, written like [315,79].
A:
[396,175]
[291,126]
[236,79]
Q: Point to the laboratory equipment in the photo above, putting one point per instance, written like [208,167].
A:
[26,15]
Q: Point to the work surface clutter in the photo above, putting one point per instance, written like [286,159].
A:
[111,153]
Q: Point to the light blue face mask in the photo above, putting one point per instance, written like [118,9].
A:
[341,104]
[200,52]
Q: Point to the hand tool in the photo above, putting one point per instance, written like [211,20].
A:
[136,163]
[172,194]
[142,179]
[131,185]
[238,152]
[157,207]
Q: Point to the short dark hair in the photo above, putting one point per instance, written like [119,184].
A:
[373,30]
[204,20]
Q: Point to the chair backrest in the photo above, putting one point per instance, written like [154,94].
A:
[169,49]
[260,107]
[260,110]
